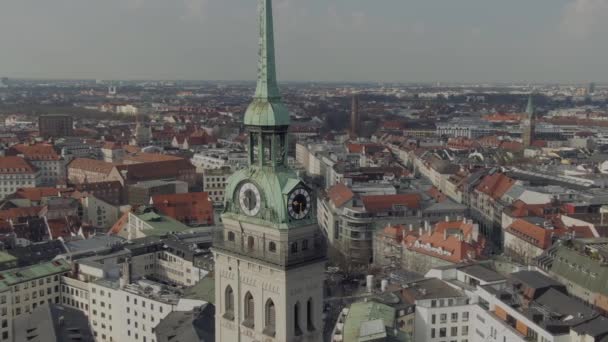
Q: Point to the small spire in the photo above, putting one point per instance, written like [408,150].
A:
[267,87]
[530,107]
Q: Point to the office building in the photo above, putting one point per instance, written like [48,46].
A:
[55,126]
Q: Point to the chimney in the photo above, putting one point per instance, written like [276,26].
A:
[370,283]
[383,285]
[411,226]
[420,231]
[445,234]
[447,218]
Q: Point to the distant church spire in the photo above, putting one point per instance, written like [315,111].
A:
[530,107]
[267,87]
[529,123]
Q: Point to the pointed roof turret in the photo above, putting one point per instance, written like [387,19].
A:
[266,108]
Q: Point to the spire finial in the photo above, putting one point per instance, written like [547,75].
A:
[267,87]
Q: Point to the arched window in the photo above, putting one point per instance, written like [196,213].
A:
[229,303]
[231,236]
[249,311]
[250,242]
[296,319]
[272,246]
[270,318]
[294,247]
[304,245]
[309,314]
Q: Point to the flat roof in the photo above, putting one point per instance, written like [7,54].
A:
[16,276]
[362,312]
[481,272]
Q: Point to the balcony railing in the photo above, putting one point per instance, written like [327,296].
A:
[281,253]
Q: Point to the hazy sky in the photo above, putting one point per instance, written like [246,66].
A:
[322,40]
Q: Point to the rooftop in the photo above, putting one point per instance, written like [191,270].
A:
[53,323]
[16,276]
[430,288]
[363,320]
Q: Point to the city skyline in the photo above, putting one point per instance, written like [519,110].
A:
[337,41]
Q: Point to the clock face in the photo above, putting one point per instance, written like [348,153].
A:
[250,199]
[299,204]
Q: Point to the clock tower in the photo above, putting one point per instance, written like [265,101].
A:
[270,256]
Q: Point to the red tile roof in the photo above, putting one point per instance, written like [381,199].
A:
[120,224]
[513,146]
[91,165]
[533,234]
[384,203]
[111,145]
[339,194]
[542,237]
[142,157]
[34,152]
[15,165]
[457,239]
[157,169]
[520,208]
[368,148]
[36,194]
[437,195]
[188,208]
[16,213]
[495,185]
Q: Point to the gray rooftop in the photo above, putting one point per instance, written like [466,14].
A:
[53,323]
[481,272]
[432,288]
[188,326]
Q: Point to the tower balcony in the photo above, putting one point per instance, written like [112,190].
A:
[279,253]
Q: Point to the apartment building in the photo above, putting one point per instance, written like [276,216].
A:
[44,157]
[350,221]
[22,290]
[15,173]
[442,311]
[98,212]
[210,159]
[487,205]
[120,291]
[580,265]
[214,183]
[526,305]
[55,125]
[423,248]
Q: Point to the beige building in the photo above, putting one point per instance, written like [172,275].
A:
[15,173]
[84,170]
[97,212]
[214,183]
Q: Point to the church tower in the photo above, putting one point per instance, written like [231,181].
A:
[270,256]
[529,123]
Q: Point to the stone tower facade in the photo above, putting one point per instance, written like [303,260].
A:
[270,256]
[529,124]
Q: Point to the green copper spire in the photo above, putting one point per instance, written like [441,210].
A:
[266,108]
[530,107]
[267,75]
